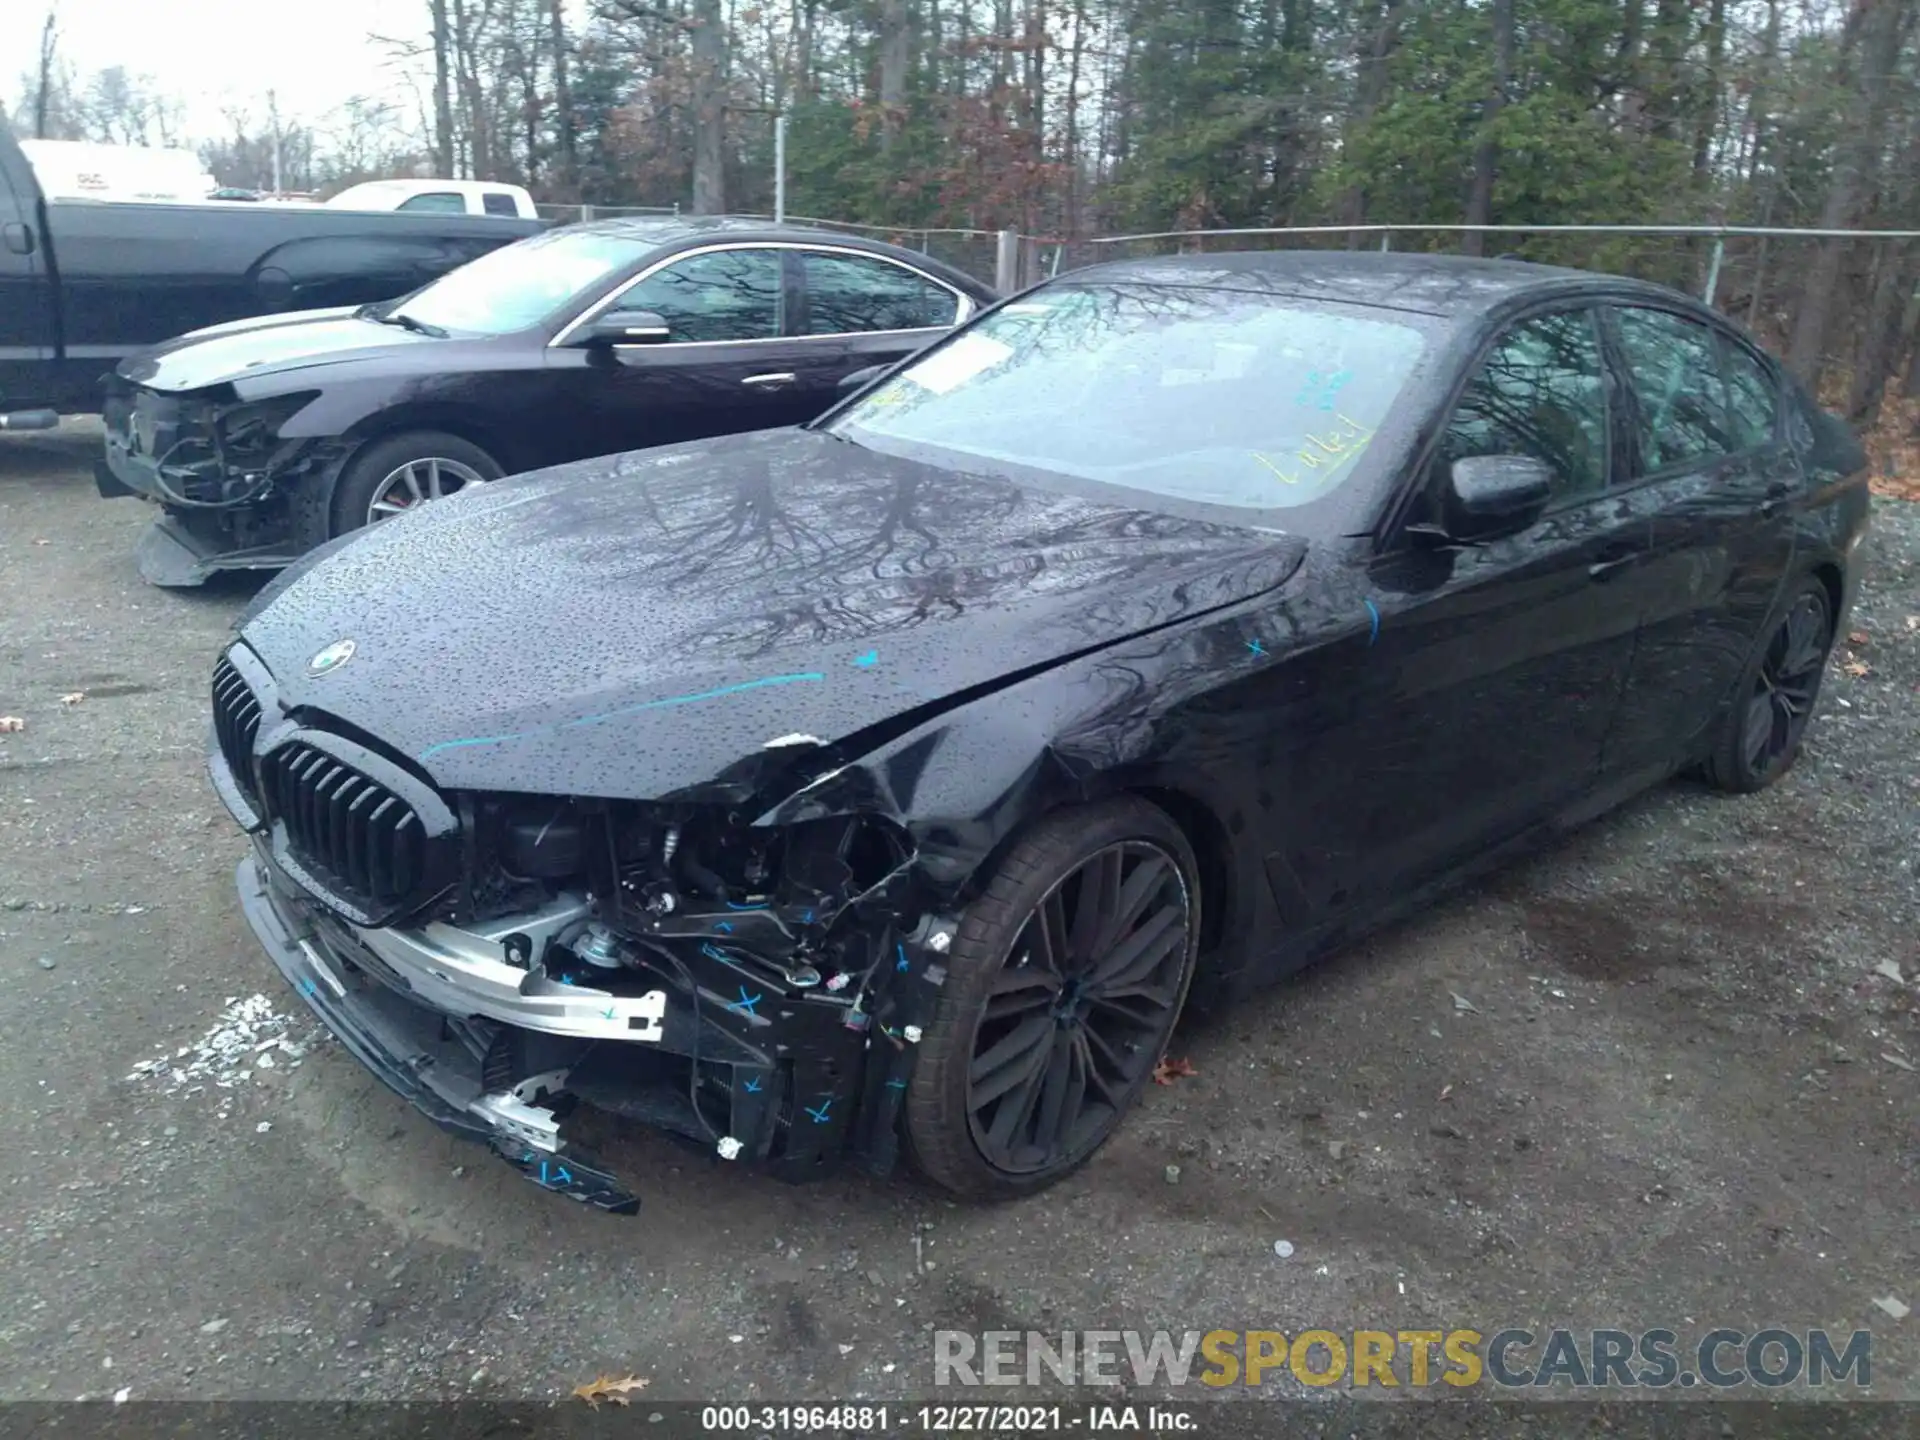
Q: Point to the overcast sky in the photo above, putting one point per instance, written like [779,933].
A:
[213,54]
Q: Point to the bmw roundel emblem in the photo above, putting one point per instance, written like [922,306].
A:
[331,658]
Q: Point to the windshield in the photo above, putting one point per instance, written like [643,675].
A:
[519,285]
[1212,396]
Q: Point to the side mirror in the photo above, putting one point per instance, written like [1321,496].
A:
[625,327]
[1489,496]
[860,379]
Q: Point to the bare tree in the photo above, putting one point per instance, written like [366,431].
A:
[442,88]
[709,109]
[1486,149]
[43,89]
[1879,27]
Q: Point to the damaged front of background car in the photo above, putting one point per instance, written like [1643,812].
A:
[651,875]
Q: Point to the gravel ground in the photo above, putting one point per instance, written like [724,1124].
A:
[1684,1095]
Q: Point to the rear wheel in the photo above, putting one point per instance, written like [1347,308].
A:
[1064,983]
[402,472]
[1762,733]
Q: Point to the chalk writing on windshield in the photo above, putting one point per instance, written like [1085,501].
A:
[1321,391]
[1320,455]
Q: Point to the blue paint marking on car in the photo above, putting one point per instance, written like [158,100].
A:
[808,677]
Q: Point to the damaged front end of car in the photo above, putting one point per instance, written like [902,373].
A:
[499,959]
[235,494]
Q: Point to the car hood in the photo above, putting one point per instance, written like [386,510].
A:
[272,344]
[652,625]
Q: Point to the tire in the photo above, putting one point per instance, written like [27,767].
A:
[1760,737]
[1056,1031]
[376,469]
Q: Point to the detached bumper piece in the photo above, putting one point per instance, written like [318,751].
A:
[418,1054]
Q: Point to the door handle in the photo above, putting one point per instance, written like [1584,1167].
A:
[19,237]
[1611,562]
[783,377]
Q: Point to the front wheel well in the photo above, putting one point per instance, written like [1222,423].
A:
[405,422]
[1828,574]
[1212,854]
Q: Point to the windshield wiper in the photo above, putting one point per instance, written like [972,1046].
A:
[405,322]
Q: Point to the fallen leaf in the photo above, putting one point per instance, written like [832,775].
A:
[605,1387]
[43,542]
[1894,1306]
[73,697]
[1890,969]
[1856,637]
[1857,668]
[1462,1004]
[1445,1091]
[1168,1070]
[11,723]
[1893,1059]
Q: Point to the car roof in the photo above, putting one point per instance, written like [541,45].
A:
[1445,285]
[664,230]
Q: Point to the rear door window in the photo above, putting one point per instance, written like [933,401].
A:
[499,204]
[1680,398]
[1753,401]
[851,294]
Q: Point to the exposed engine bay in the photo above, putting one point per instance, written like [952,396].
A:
[755,989]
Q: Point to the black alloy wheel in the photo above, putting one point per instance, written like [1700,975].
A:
[1071,971]
[1765,728]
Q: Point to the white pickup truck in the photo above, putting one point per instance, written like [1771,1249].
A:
[441,197]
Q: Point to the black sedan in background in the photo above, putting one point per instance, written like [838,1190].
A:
[889,783]
[263,438]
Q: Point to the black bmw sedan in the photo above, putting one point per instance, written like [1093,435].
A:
[891,784]
[265,437]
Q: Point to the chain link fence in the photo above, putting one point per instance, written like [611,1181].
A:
[1756,275]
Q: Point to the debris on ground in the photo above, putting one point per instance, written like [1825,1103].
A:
[1283,1248]
[1462,1004]
[73,697]
[228,1054]
[1890,969]
[1173,1174]
[1859,669]
[1856,637]
[47,962]
[1168,1071]
[1894,1307]
[1892,1059]
[606,1387]
[10,724]
[1446,1092]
